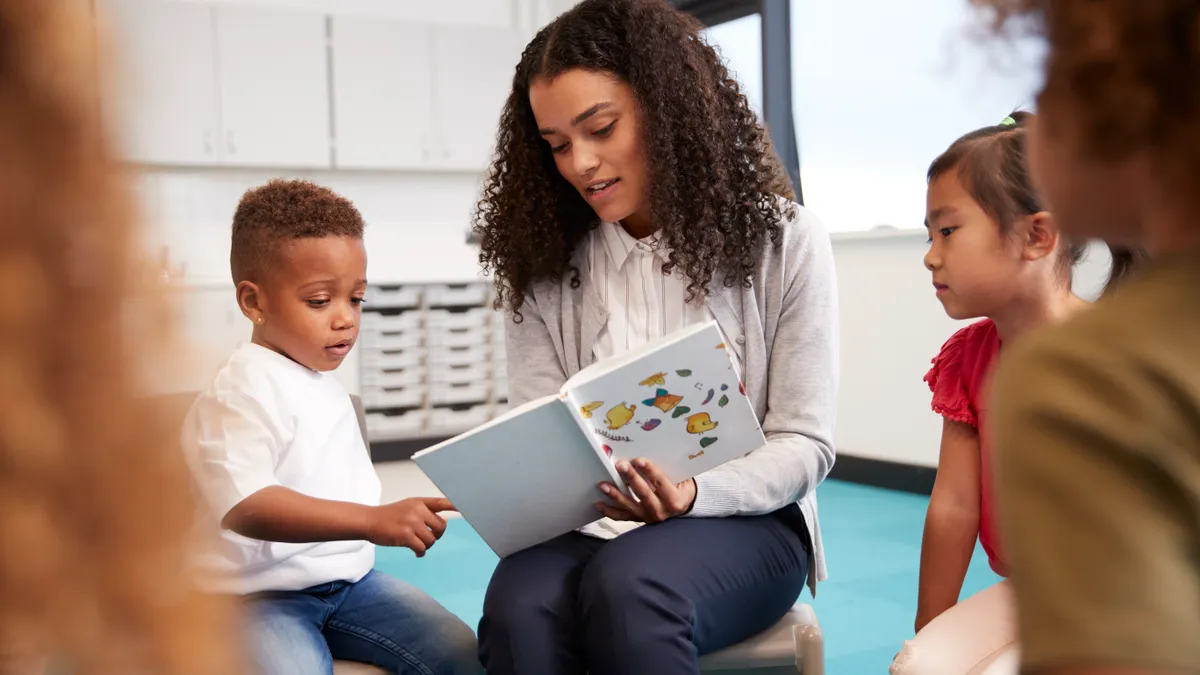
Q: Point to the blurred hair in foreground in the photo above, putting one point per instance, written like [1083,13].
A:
[95,505]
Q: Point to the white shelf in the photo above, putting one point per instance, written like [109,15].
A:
[441,362]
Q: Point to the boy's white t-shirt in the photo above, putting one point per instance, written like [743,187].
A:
[267,420]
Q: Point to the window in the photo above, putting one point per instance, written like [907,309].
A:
[740,43]
[879,88]
[753,36]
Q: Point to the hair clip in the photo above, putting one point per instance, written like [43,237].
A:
[1008,122]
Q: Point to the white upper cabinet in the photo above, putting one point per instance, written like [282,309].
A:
[161,98]
[382,84]
[198,84]
[218,83]
[472,70]
[273,74]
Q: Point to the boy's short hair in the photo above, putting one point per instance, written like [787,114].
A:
[284,210]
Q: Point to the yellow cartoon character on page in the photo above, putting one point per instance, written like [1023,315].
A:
[700,423]
[620,415]
[587,410]
[657,379]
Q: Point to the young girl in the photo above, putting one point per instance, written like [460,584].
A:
[1097,420]
[635,194]
[994,252]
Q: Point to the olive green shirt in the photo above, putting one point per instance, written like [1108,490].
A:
[1096,427]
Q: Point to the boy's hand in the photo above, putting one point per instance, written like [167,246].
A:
[411,523]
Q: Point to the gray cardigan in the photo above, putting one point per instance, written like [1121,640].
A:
[784,331]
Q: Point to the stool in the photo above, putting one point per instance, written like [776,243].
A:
[794,645]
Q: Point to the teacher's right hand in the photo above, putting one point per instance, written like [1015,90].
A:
[658,499]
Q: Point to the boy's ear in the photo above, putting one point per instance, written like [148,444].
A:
[1040,235]
[250,301]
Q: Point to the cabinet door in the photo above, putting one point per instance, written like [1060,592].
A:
[161,96]
[272,68]
[382,89]
[473,71]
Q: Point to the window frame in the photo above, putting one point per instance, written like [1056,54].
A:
[777,67]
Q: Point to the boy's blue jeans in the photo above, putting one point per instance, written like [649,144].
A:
[379,620]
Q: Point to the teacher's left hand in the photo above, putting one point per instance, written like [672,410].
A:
[658,499]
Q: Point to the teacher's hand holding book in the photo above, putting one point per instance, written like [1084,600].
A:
[658,499]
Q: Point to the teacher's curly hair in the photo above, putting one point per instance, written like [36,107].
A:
[714,176]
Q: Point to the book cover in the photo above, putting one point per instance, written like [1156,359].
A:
[534,473]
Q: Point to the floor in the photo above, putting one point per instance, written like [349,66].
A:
[873,545]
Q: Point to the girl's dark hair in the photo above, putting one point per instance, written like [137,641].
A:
[713,176]
[1125,263]
[991,165]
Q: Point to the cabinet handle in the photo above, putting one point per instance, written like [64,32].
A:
[208,142]
[229,144]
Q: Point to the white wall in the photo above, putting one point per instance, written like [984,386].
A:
[416,222]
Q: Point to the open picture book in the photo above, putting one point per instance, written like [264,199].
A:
[534,473]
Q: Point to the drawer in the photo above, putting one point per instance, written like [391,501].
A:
[456,295]
[391,360]
[472,319]
[390,341]
[444,393]
[457,420]
[411,396]
[384,427]
[393,297]
[463,337]
[387,323]
[457,356]
[462,374]
[399,377]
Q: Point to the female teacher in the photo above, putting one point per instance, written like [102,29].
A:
[634,193]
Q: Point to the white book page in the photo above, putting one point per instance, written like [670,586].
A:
[522,479]
[681,405]
[602,368]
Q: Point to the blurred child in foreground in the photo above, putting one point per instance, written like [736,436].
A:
[1097,420]
[95,508]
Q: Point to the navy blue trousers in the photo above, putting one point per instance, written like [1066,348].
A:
[647,603]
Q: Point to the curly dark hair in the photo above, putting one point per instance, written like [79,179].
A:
[1125,73]
[283,210]
[713,173]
